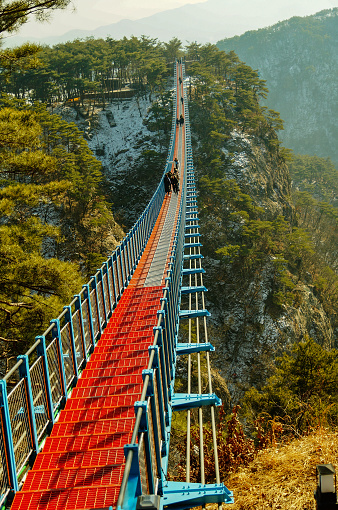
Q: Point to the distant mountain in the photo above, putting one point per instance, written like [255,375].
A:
[299,60]
[208,21]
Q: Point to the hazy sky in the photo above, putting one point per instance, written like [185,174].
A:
[91,14]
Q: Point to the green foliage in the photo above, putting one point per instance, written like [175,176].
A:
[302,394]
[93,68]
[55,220]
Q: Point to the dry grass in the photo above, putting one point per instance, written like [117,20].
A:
[283,478]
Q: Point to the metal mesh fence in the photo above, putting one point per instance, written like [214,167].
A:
[67,354]
[124,264]
[94,313]
[4,481]
[54,373]
[143,465]
[80,355]
[106,292]
[119,272]
[86,324]
[116,280]
[157,407]
[112,290]
[99,290]
[19,417]
[152,441]
[39,397]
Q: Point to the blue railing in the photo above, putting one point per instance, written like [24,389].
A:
[45,375]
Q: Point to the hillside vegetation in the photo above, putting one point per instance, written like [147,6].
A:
[298,58]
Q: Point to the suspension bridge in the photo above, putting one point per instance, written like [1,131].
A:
[86,426]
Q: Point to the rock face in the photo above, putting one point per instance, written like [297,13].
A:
[247,327]
[298,58]
[259,175]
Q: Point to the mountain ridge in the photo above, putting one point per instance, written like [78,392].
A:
[207,21]
[298,59]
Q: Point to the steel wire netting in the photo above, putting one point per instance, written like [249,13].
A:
[151,438]
[100,302]
[19,418]
[67,353]
[142,465]
[106,292]
[54,373]
[78,339]
[95,316]
[39,393]
[157,407]
[4,480]
[86,324]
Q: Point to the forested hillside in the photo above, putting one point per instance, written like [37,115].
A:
[298,58]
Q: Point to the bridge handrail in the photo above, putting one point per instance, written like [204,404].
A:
[49,370]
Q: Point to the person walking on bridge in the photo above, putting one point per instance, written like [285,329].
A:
[167,183]
[181,120]
[174,178]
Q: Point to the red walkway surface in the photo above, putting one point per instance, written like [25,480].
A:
[82,462]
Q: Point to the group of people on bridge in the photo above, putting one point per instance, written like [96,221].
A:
[180,121]
[172,178]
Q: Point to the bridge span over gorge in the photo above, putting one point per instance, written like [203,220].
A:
[87,424]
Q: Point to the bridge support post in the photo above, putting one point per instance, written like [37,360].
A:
[133,487]
[178,495]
